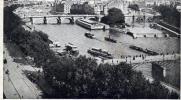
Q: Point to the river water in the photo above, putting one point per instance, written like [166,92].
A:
[68,33]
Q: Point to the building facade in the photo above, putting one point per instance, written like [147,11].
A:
[157,2]
[64,6]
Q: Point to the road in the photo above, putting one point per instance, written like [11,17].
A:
[16,84]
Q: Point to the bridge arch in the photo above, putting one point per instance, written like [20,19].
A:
[96,18]
[70,19]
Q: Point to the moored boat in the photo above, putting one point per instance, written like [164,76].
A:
[150,52]
[89,35]
[99,52]
[93,25]
[110,39]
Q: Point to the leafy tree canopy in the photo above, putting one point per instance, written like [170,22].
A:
[134,7]
[115,16]
[81,9]
[169,14]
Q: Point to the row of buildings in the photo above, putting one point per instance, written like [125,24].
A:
[102,6]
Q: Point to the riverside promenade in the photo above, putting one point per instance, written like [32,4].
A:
[16,84]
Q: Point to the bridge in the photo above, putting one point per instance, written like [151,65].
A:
[169,28]
[143,59]
[72,18]
[162,61]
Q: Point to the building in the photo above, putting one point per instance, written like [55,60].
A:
[157,2]
[120,4]
[99,8]
[64,6]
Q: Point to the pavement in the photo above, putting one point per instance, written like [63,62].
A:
[16,84]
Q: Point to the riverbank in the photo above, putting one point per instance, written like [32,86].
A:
[16,84]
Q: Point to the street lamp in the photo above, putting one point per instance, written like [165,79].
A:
[179,10]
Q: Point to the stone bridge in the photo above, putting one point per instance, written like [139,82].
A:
[59,18]
[143,59]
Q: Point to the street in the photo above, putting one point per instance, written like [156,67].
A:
[16,84]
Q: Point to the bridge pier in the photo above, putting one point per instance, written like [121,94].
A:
[44,20]
[31,20]
[158,71]
[144,20]
[133,19]
[72,20]
[164,72]
[99,19]
[58,20]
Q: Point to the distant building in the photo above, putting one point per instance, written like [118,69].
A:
[64,6]
[99,8]
[120,4]
[157,2]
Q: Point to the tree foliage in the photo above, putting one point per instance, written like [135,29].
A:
[134,7]
[9,23]
[34,44]
[169,14]
[59,7]
[81,9]
[115,16]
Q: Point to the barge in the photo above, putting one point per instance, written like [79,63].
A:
[92,25]
[150,52]
[99,53]
[89,35]
[110,39]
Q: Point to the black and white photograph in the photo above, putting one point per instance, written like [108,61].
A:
[91,49]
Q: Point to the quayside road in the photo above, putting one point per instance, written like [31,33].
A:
[16,84]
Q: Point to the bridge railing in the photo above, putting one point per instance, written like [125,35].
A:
[143,59]
[65,16]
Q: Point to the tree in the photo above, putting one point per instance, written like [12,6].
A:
[81,9]
[134,7]
[169,14]
[115,16]
[83,78]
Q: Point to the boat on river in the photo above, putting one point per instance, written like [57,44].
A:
[89,35]
[99,53]
[71,49]
[55,45]
[150,52]
[110,39]
[93,25]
